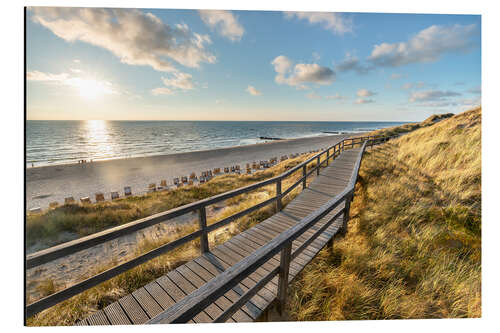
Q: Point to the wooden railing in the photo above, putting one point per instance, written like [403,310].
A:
[199,299]
[68,248]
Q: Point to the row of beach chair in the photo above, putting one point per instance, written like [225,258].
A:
[204,177]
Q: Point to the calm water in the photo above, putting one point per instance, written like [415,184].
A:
[57,142]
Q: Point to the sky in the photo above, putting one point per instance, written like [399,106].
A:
[161,64]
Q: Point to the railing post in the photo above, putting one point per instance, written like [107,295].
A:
[342,149]
[286,254]
[304,176]
[327,156]
[347,209]
[317,165]
[202,220]
[278,196]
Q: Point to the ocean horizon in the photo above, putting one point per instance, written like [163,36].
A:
[53,142]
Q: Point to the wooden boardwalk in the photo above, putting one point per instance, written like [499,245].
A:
[157,296]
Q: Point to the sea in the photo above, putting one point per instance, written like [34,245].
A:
[50,142]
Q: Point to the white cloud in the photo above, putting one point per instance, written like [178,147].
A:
[224,22]
[136,38]
[337,96]
[397,76]
[47,77]
[334,22]
[301,73]
[431,95]
[252,91]
[75,70]
[352,63]
[365,93]
[364,101]
[178,81]
[415,85]
[428,45]
[83,85]
[313,95]
[182,81]
[162,91]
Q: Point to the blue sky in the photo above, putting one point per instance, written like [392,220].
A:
[85,63]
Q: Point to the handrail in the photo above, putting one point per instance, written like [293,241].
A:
[74,246]
[199,299]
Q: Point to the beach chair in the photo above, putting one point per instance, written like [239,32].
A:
[114,195]
[179,184]
[184,179]
[163,184]
[190,182]
[69,200]
[249,171]
[53,204]
[152,187]
[192,175]
[202,179]
[226,169]
[35,210]
[237,167]
[203,173]
[254,165]
[248,165]
[127,190]
[99,196]
[176,181]
[85,200]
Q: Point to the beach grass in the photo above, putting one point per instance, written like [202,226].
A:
[413,249]
[87,219]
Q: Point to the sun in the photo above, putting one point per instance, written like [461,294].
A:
[91,89]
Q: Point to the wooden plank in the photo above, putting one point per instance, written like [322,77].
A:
[82,322]
[244,251]
[116,315]
[160,295]
[222,302]
[240,288]
[177,295]
[98,318]
[249,308]
[133,310]
[266,293]
[212,310]
[259,243]
[147,303]
[235,257]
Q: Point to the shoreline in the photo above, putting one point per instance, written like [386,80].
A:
[45,184]
[129,157]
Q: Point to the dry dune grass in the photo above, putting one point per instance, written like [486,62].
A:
[413,249]
[91,218]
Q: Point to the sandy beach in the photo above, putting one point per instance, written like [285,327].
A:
[54,183]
